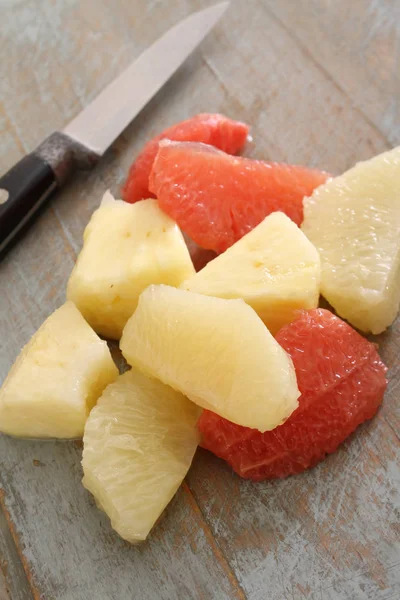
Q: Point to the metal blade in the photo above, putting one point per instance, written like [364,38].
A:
[101,122]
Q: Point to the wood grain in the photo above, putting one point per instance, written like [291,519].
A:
[13,580]
[319,82]
[3,588]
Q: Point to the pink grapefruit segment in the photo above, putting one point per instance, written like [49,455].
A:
[217,198]
[342,382]
[214,129]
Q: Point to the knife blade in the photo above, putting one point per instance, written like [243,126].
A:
[27,185]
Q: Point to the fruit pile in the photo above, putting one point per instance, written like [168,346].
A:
[236,357]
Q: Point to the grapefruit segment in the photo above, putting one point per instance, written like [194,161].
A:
[217,198]
[138,445]
[214,129]
[354,221]
[342,381]
[216,352]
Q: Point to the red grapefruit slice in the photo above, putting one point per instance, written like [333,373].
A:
[217,198]
[214,129]
[342,381]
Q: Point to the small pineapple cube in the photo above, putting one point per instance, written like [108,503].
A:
[274,268]
[126,248]
[56,379]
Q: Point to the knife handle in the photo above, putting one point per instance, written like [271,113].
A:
[23,190]
[29,183]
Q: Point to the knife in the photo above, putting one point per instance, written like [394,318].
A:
[27,185]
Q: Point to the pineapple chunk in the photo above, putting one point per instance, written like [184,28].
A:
[138,445]
[217,352]
[126,248]
[354,222]
[56,379]
[274,268]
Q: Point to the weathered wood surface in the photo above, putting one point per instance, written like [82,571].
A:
[319,81]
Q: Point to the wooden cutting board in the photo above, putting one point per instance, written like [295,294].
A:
[319,81]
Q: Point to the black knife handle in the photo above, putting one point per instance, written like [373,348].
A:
[29,183]
[23,190]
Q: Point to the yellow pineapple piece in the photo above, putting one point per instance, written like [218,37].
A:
[354,222]
[126,248]
[139,442]
[217,352]
[274,268]
[56,379]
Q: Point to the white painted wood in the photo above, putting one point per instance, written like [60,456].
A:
[319,82]
[14,583]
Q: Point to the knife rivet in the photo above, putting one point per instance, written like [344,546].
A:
[4,196]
